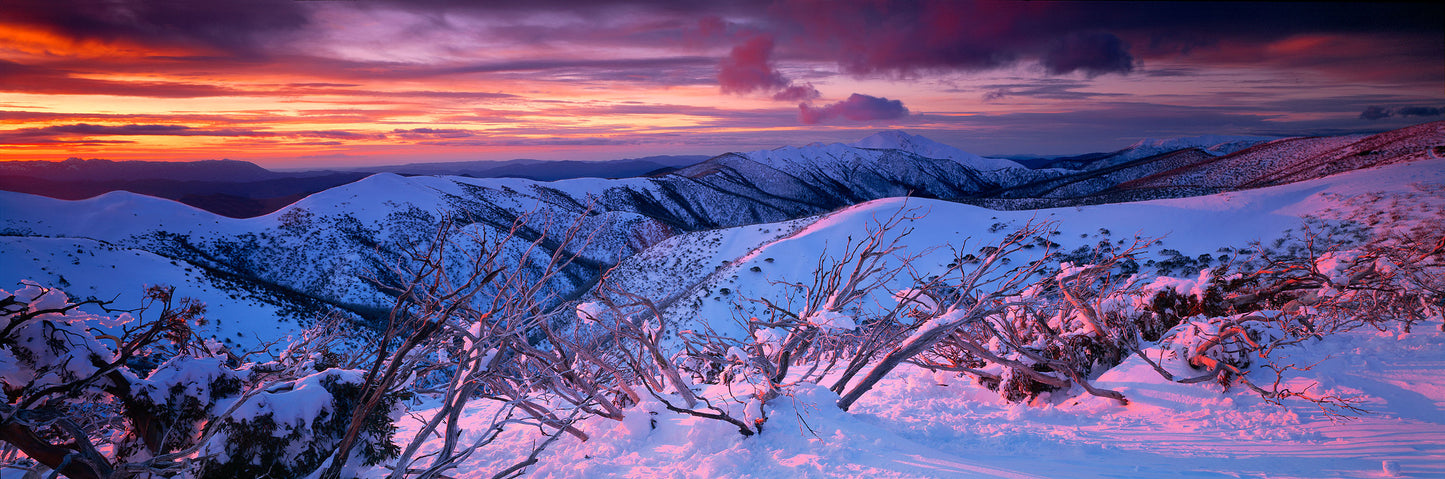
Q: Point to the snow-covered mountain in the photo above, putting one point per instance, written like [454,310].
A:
[330,249]
[1196,171]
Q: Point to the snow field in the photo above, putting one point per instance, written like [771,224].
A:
[920,423]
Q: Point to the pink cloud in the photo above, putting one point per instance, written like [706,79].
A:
[857,107]
[748,68]
[798,93]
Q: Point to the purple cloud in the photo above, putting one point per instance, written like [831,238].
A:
[1419,111]
[1092,53]
[237,27]
[749,68]
[1375,112]
[857,107]
[797,93]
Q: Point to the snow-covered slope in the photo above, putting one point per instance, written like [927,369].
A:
[921,423]
[237,312]
[322,250]
[1219,226]
[1294,159]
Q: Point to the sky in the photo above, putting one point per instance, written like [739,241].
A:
[292,84]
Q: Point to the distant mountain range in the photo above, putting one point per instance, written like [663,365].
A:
[1196,166]
[1146,169]
[542,170]
[332,249]
[241,189]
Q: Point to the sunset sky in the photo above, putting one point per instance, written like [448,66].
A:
[343,83]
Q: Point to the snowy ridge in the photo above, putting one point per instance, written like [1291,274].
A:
[1216,145]
[1193,171]
[921,146]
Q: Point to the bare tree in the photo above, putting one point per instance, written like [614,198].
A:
[979,290]
[70,395]
[461,327]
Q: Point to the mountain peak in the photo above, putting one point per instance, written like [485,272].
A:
[897,140]
[925,147]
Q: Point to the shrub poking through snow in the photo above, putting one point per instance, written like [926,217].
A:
[202,413]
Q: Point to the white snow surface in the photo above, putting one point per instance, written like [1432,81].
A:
[923,424]
[918,423]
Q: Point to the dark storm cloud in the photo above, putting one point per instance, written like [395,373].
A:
[1419,111]
[1375,112]
[1048,89]
[857,107]
[234,26]
[1092,53]
[893,37]
[901,37]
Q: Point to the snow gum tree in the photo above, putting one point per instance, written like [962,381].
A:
[135,394]
[1025,319]
[469,323]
